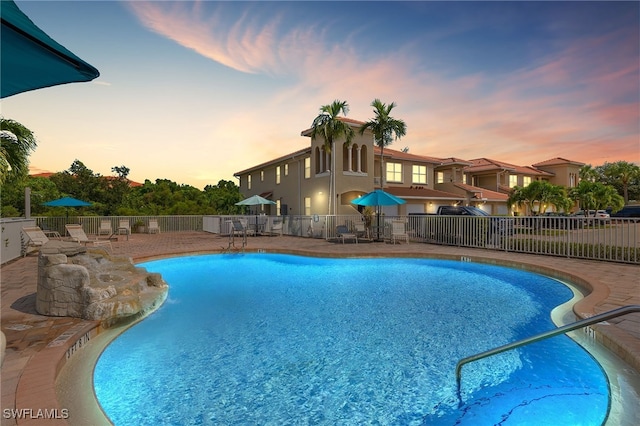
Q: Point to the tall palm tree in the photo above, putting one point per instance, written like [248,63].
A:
[621,174]
[596,195]
[328,125]
[16,142]
[385,129]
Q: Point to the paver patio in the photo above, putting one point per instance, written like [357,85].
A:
[36,343]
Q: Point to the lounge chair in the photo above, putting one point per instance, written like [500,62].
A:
[153,227]
[398,231]
[105,227]
[361,230]
[77,234]
[37,237]
[273,226]
[237,228]
[245,225]
[343,232]
[124,225]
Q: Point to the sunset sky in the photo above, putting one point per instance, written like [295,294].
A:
[195,91]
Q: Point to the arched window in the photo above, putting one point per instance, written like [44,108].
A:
[346,151]
[354,158]
[363,160]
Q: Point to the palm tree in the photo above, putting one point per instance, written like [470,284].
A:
[16,142]
[540,193]
[589,173]
[596,195]
[385,129]
[328,125]
[621,174]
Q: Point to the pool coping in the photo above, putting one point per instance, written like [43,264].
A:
[36,386]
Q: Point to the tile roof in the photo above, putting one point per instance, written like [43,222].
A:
[483,192]
[400,155]
[304,151]
[351,121]
[486,165]
[557,161]
[450,161]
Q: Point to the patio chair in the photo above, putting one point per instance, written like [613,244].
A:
[343,232]
[37,237]
[77,234]
[247,229]
[124,225]
[361,230]
[105,227]
[237,228]
[398,231]
[273,226]
[153,227]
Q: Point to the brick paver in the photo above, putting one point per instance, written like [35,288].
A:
[36,344]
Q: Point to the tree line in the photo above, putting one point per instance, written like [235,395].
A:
[114,195]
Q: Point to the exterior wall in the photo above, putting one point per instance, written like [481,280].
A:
[350,182]
[562,174]
[485,181]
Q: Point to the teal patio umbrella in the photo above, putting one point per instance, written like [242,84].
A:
[255,200]
[378,198]
[33,60]
[66,202]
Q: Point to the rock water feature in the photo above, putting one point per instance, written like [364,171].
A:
[89,283]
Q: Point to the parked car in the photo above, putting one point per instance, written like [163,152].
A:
[600,214]
[494,226]
[627,211]
[591,216]
[559,221]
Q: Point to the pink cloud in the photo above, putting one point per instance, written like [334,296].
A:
[564,104]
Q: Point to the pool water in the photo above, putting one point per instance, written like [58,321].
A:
[258,339]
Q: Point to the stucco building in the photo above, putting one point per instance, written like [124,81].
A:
[315,180]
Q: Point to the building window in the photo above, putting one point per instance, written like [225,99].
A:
[307,167]
[307,206]
[513,180]
[278,175]
[394,172]
[464,179]
[526,180]
[278,204]
[248,181]
[572,180]
[261,175]
[419,174]
[286,169]
[440,177]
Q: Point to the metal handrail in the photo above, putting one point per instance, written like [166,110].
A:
[551,333]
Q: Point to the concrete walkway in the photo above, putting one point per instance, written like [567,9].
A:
[37,346]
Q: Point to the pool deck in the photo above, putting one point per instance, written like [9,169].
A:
[37,345]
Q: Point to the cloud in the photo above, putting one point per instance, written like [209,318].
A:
[584,92]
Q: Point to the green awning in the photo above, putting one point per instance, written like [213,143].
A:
[33,60]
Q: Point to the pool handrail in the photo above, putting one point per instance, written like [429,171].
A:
[551,333]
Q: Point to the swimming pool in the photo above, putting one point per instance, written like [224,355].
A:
[282,339]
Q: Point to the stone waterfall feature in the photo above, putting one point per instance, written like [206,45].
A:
[89,283]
